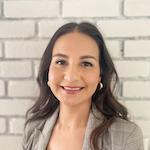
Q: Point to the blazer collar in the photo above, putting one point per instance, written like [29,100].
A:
[95,118]
[47,130]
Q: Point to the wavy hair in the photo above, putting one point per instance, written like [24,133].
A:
[104,99]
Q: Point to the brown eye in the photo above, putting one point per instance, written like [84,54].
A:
[61,62]
[87,64]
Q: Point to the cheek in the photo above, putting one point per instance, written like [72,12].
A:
[93,79]
[54,75]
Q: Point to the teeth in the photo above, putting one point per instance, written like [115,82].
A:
[73,89]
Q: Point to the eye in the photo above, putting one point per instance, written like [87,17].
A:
[87,64]
[60,62]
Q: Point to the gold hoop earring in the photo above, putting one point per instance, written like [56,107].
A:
[100,85]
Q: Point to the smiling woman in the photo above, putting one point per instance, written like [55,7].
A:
[70,62]
[76,108]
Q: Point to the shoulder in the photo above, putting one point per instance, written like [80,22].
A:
[126,133]
[124,126]
[31,130]
[35,130]
[32,125]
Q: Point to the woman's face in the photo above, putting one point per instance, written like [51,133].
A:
[74,72]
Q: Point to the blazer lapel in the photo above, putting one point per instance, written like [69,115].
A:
[46,132]
[95,119]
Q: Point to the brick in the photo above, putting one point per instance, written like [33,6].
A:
[25,49]
[31,9]
[81,8]
[2,88]
[2,125]
[11,142]
[146,144]
[137,48]
[113,48]
[1,50]
[0,9]
[137,8]
[48,28]
[16,29]
[16,125]
[14,107]
[27,88]
[145,125]
[136,89]
[124,28]
[36,67]
[138,109]
[15,69]
[132,68]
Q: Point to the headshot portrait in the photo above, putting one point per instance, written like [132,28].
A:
[77,108]
[74,75]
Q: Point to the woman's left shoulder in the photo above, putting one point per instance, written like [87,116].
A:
[125,126]
[127,133]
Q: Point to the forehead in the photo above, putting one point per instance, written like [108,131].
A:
[76,43]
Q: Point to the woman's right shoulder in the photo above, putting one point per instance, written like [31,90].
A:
[30,131]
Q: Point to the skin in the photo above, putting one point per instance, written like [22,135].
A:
[74,74]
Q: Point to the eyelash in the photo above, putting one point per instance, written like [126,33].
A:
[60,62]
[87,64]
[84,64]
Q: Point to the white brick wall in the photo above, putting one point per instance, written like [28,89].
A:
[2,125]
[114,48]
[24,49]
[47,28]
[16,125]
[125,27]
[2,88]
[81,8]
[0,9]
[15,69]
[0,50]
[31,9]
[22,88]
[36,67]
[137,48]
[136,106]
[16,29]
[136,89]
[10,142]
[127,68]
[16,107]
[25,29]
[146,144]
[137,7]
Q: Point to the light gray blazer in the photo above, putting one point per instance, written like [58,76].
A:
[122,135]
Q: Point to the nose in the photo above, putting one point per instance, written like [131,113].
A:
[72,74]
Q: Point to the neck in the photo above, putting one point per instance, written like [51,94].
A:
[73,117]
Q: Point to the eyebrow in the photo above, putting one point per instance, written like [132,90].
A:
[82,57]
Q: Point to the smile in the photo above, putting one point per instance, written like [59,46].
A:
[72,90]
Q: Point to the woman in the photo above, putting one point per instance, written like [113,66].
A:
[76,108]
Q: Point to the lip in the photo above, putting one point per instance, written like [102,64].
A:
[72,89]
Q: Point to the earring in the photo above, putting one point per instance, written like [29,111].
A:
[100,85]
[48,83]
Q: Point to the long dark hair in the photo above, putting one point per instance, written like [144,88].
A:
[104,99]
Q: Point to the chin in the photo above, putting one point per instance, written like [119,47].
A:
[73,103]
